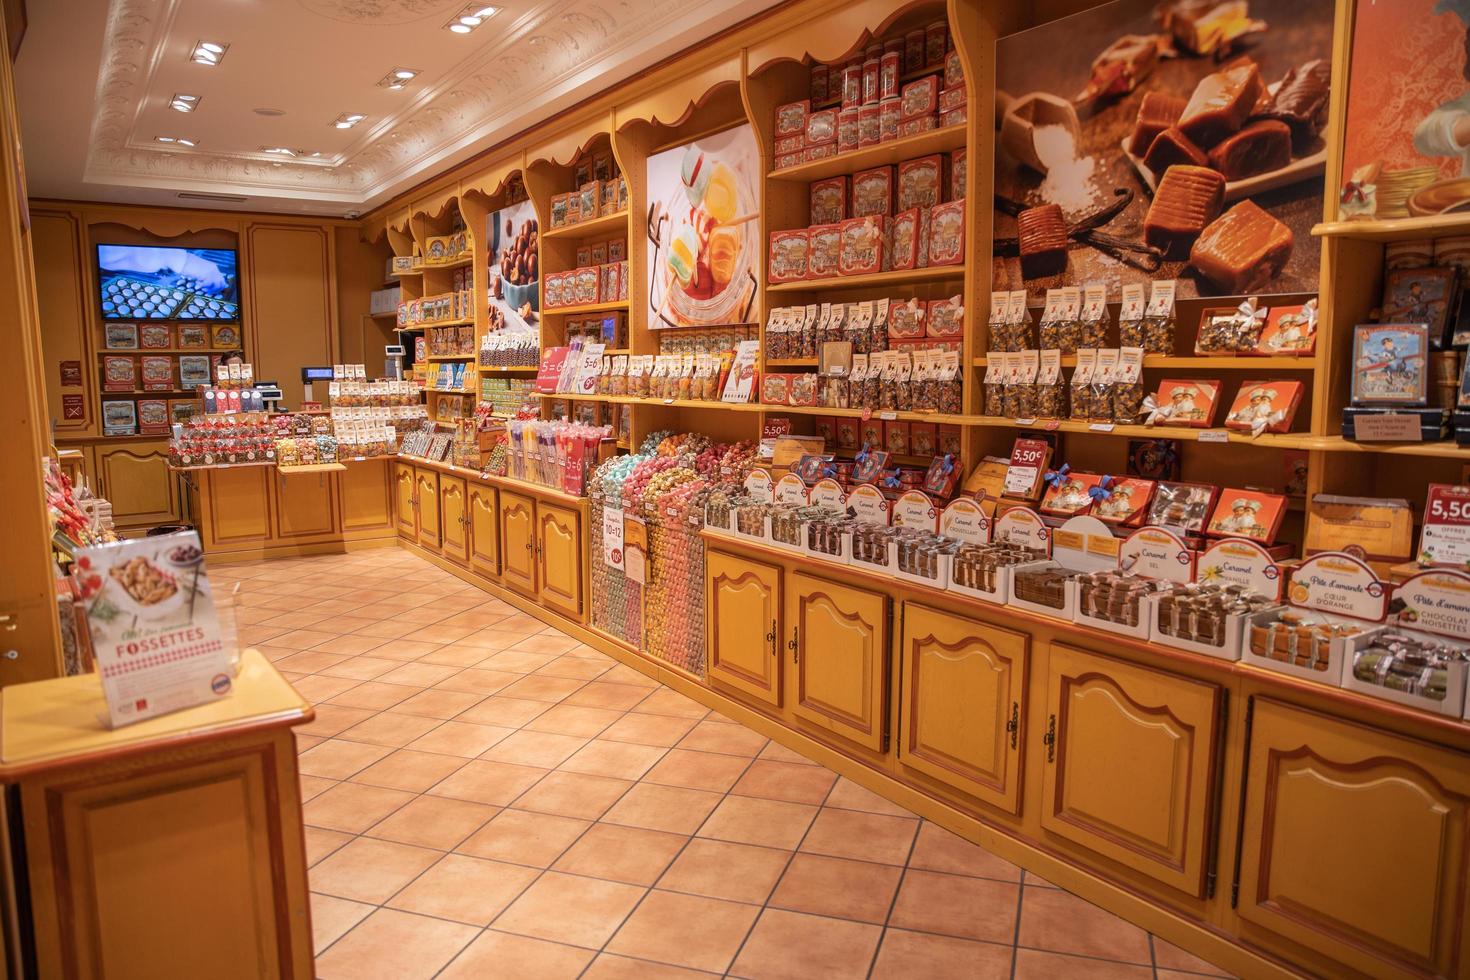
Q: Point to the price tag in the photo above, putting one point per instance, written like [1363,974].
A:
[635,549]
[1026,422]
[1100,427]
[612,538]
[1445,539]
[1214,435]
[1395,427]
[1024,471]
[888,416]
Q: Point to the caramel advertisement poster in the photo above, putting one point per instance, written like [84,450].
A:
[704,248]
[1178,140]
[1406,149]
[512,234]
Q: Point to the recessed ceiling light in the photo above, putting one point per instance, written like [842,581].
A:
[348,119]
[174,140]
[209,53]
[404,73]
[397,78]
[470,18]
[459,28]
[184,103]
[282,151]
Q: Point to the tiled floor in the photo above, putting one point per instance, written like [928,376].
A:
[486,797]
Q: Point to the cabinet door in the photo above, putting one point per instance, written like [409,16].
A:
[518,541]
[559,546]
[743,602]
[426,495]
[452,516]
[1354,844]
[365,497]
[403,508]
[961,690]
[1130,756]
[136,479]
[839,662]
[484,534]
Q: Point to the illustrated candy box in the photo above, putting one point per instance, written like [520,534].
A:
[1268,406]
[1306,640]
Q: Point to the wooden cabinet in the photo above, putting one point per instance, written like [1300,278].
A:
[426,498]
[743,606]
[559,557]
[234,506]
[305,507]
[453,518]
[962,692]
[135,477]
[1130,764]
[839,658]
[484,530]
[518,541]
[365,498]
[405,512]
[1354,846]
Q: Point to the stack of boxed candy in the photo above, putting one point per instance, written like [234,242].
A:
[451,341]
[887,218]
[505,396]
[586,285]
[440,308]
[427,442]
[609,329]
[362,408]
[864,101]
[213,440]
[901,438]
[445,249]
[599,189]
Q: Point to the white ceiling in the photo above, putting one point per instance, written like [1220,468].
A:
[95,78]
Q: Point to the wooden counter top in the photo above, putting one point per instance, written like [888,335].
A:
[60,723]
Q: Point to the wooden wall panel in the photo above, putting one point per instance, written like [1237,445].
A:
[58,242]
[291,300]
[361,267]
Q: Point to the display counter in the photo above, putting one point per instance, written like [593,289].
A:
[177,840]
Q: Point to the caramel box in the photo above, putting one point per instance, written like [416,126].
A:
[829,200]
[788,255]
[946,317]
[906,244]
[947,233]
[864,245]
[791,118]
[824,251]
[921,182]
[919,97]
[872,192]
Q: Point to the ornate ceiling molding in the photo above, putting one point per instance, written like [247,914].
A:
[546,55]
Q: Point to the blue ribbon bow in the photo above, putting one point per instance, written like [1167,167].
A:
[892,481]
[1055,478]
[1102,491]
[946,465]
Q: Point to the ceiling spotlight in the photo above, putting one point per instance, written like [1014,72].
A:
[460,28]
[282,151]
[184,103]
[404,73]
[470,18]
[470,21]
[487,11]
[209,53]
[397,78]
[348,119]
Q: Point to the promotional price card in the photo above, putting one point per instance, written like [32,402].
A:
[155,635]
[1240,562]
[612,538]
[1028,458]
[1437,602]
[1445,539]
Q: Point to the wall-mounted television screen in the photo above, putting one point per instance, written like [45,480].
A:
[149,282]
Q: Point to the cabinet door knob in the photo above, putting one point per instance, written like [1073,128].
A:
[1014,725]
[1050,739]
[771,638]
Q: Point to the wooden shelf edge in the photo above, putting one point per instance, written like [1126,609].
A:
[893,151]
[931,273]
[1396,229]
[582,229]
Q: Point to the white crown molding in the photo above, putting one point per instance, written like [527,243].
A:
[540,62]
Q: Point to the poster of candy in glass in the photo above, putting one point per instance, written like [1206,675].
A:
[1406,145]
[704,249]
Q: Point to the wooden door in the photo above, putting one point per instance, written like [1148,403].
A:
[404,510]
[426,496]
[559,550]
[962,692]
[518,541]
[484,533]
[1354,846]
[743,603]
[453,511]
[136,479]
[365,498]
[1130,757]
[838,642]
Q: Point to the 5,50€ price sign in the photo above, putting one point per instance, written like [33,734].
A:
[1445,539]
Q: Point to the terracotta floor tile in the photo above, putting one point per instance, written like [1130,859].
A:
[621,760]
[534,839]
[669,702]
[626,854]
[698,770]
[837,887]
[493,639]
[764,822]
[720,869]
[784,781]
[610,966]
[521,623]
[546,643]
[360,668]
[476,620]
[955,905]
[668,808]
[320,843]
[539,687]
[318,689]
[388,629]
[623,674]
[460,738]
[368,870]
[304,742]
[349,644]
[544,749]
[710,736]
[395,944]
[1167,956]
[375,696]
[424,675]
[432,821]
[939,850]
[390,728]
[302,639]
[572,719]
[685,930]
[338,759]
[465,889]
[598,694]
[792,946]
[660,730]
[570,909]
[1032,964]
[504,712]
[907,955]
[439,633]
[407,770]
[865,836]
[581,668]
[332,917]
[572,794]
[494,783]
[848,795]
[352,807]
[454,655]
[499,954]
[314,786]
[256,635]
[309,661]
[295,620]
[1060,922]
[436,703]
[1034,880]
